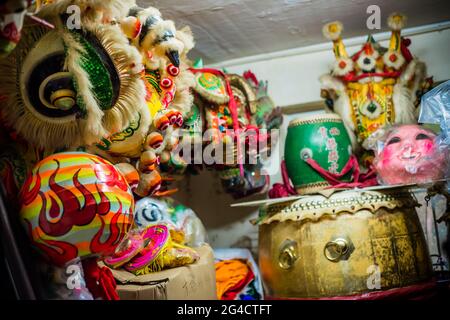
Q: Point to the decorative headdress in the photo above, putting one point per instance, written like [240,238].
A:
[343,65]
[366,62]
[376,85]
[71,87]
[240,103]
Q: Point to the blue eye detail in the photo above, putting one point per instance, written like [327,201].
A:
[151,213]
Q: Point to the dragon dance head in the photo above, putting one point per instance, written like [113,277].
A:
[233,103]
[376,85]
[104,76]
[71,85]
[83,81]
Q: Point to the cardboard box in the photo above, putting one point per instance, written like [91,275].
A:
[192,282]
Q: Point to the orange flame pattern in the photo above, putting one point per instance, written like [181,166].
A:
[71,209]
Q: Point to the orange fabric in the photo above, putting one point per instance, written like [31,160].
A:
[228,274]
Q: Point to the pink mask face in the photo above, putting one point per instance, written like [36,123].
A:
[410,155]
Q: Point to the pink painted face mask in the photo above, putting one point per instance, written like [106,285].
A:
[410,155]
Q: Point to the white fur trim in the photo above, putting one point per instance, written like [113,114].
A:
[415,69]
[100,10]
[338,71]
[419,76]
[186,37]
[373,61]
[184,99]
[329,82]
[160,49]
[397,64]
[397,21]
[128,26]
[341,105]
[92,125]
[332,34]
[403,105]
[413,78]
[149,12]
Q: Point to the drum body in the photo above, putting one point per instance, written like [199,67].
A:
[352,243]
[322,138]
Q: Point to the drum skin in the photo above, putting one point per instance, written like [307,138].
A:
[336,249]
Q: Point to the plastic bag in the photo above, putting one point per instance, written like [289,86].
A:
[409,154]
[66,283]
[435,109]
[150,211]
[253,181]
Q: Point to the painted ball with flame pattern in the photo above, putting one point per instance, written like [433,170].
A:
[74,205]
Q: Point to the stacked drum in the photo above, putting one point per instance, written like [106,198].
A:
[354,244]
[350,244]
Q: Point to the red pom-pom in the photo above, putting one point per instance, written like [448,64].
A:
[278,191]
[393,58]
[166,83]
[173,71]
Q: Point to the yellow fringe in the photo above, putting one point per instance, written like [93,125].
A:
[172,255]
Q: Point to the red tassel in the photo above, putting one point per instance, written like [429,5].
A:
[359,181]
[99,281]
[285,189]
[405,51]
[248,75]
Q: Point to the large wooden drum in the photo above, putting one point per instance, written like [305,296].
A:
[353,243]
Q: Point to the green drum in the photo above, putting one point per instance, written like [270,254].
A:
[322,138]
